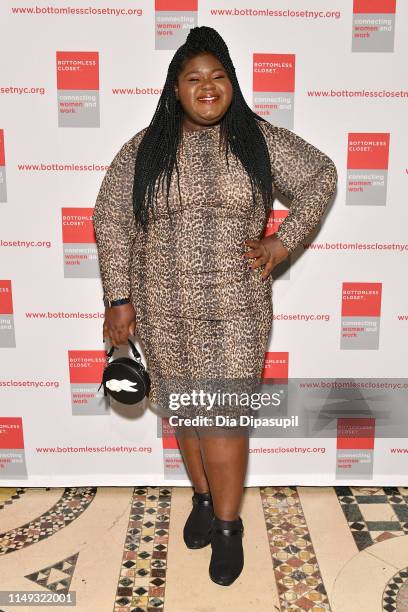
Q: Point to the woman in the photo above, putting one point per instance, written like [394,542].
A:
[179,215]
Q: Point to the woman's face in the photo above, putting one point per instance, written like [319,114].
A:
[204,90]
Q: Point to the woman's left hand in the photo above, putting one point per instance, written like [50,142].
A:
[267,252]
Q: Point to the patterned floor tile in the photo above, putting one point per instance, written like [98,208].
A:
[295,565]
[142,578]
[56,577]
[71,505]
[395,596]
[388,505]
[373,514]
[9,495]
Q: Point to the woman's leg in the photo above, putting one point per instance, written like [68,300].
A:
[189,444]
[225,461]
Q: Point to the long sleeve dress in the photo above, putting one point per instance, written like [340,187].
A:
[201,315]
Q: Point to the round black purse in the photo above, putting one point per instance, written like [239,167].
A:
[125,379]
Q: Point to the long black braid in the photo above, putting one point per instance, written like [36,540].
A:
[157,151]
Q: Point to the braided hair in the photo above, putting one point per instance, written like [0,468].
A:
[239,130]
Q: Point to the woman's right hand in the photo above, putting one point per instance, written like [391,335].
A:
[119,323]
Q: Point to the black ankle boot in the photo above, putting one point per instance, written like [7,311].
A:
[197,530]
[227,559]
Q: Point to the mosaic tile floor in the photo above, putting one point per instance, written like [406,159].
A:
[374,514]
[119,549]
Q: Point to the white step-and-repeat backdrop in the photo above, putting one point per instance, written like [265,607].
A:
[77,80]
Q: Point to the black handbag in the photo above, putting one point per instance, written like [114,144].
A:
[125,379]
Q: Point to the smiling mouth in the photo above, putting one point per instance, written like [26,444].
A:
[208,99]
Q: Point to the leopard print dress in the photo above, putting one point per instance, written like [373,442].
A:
[201,315]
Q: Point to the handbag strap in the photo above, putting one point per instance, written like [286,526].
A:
[135,352]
